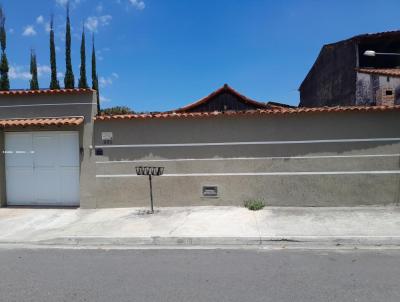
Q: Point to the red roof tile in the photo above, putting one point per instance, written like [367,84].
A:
[275,111]
[50,121]
[393,72]
[46,91]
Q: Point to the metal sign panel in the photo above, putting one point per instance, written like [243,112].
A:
[210,191]
[106,136]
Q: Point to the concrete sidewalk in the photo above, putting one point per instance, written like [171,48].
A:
[200,226]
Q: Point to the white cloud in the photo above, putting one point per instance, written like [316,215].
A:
[138,4]
[29,30]
[64,2]
[47,27]
[99,53]
[108,81]
[43,70]
[17,72]
[103,99]
[40,20]
[11,31]
[99,7]
[21,72]
[93,23]
[105,81]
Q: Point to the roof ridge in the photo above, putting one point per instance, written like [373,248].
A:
[224,88]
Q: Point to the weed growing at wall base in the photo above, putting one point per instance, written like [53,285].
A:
[254,204]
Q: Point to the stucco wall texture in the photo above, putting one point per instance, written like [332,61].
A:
[305,159]
[310,159]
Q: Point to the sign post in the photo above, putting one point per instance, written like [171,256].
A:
[150,171]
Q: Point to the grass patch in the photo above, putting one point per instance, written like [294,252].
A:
[254,204]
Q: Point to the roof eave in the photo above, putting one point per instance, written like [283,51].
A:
[46,91]
[275,111]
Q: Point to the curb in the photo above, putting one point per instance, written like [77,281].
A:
[156,241]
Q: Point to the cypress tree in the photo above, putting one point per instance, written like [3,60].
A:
[34,84]
[69,80]
[82,80]
[4,81]
[54,84]
[95,80]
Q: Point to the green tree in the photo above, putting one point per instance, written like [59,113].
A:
[117,110]
[4,80]
[54,84]
[82,80]
[95,79]
[34,83]
[69,79]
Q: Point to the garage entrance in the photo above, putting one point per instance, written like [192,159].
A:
[42,168]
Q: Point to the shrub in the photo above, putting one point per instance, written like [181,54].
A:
[254,204]
[116,110]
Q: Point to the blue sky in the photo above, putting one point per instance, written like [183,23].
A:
[156,55]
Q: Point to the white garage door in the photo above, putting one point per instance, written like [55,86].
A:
[42,168]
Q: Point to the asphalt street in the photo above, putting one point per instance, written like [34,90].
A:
[199,275]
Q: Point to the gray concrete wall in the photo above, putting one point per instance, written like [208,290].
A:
[2,171]
[288,173]
[331,80]
[56,105]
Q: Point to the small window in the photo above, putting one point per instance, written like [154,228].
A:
[98,152]
[389,92]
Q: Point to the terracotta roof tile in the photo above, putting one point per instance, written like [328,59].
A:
[50,121]
[393,72]
[46,91]
[275,111]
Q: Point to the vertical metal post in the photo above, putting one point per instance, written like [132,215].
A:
[151,195]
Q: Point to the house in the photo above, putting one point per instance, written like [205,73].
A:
[58,152]
[343,76]
[378,86]
[47,138]
[227,99]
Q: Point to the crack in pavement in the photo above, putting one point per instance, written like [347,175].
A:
[257,227]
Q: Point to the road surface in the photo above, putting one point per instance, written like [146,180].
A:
[199,275]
